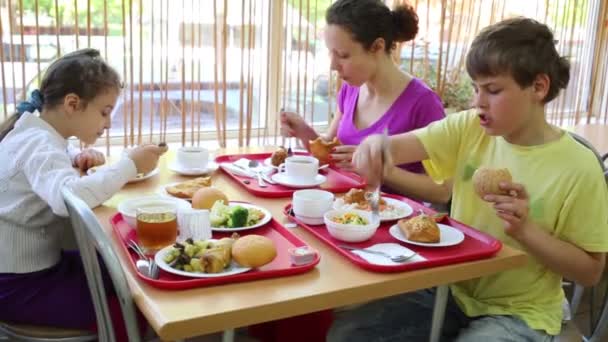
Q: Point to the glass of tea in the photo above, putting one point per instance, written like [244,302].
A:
[156,227]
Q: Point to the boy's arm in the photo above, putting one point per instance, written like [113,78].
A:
[562,257]
[419,186]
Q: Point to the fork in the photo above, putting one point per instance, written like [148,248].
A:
[374,197]
[289,150]
[395,258]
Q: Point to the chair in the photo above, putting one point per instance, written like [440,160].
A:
[598,327]
[92,239]
[30,333]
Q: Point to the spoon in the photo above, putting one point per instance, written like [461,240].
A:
[144,265]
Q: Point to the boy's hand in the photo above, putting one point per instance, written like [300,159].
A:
[89,158]
[512,209]
[146,157]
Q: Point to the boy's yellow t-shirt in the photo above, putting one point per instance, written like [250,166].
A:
[568,198]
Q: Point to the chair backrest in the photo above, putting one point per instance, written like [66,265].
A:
[601,325]
[92,239]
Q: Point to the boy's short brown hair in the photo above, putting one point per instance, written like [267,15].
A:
[522,48]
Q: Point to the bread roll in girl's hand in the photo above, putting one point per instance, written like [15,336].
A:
[321,149]
[486,181]
[253,251]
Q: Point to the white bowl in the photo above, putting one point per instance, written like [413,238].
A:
[312,203]
[351,232]
[129,206]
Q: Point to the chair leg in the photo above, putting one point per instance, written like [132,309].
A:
[228,335]
[441,301]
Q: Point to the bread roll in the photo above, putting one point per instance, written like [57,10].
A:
[486,181]
[421,228]
[321,149]
[253,251]
[205,198]
[278,157]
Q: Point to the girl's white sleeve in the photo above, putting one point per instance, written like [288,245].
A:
[48,169]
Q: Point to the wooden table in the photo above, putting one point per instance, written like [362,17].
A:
[596,134]
[335,282]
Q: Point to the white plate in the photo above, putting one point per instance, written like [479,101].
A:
[209,168]
[234,268]
[266,219]
[449,236]
[401,210]
[282,179]
[137,178]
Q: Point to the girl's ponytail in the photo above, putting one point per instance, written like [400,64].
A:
[34,103]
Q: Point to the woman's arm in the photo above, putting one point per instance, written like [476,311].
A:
[418,186]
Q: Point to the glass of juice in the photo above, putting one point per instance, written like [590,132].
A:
[156,227]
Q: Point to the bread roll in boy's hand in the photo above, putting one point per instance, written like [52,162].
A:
[486,181]
[146,157]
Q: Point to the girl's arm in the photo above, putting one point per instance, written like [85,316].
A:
[419,186]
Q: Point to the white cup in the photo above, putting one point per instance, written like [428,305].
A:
[192,157]
[193,223]
[311,204]
[302,168]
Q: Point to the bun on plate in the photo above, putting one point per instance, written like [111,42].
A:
[421,228]
[204,198]
[486,181]
[253,250]
[321,149]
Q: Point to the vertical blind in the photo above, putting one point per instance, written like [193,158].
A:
[221,70]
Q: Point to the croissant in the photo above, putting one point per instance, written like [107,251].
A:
[421,228]
[213,261]
[321,149]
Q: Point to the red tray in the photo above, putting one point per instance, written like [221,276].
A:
[279,267]
[337,180]
[476,245]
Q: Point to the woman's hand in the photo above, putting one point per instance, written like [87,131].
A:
[370,159]
[342,156]
[146,157]
[513,209]
[89,158]
[291,124]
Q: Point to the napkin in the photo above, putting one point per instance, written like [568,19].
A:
[246,172]
[391,249]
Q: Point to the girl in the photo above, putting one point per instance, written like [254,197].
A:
[39,283]
[376,96]
[516,71]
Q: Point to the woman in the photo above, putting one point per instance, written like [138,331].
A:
[376,96]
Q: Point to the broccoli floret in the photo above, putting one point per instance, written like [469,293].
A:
[238,217]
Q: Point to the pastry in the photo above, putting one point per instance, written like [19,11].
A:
[321,149]
[187,189]
[358,196]
[486,181]
[421,228]
[278,156]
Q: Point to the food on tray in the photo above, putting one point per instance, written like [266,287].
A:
[421,228]
[253,250]
[188,188]
[486,181]
[350,218]
[233,216]
[201,256]
[278,157]
[358,197]
[321,149]
[204,198]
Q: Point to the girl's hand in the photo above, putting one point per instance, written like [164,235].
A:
[513,209]
[342,156]
[146,157]
[370,158]
[89,158]
[291,124]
